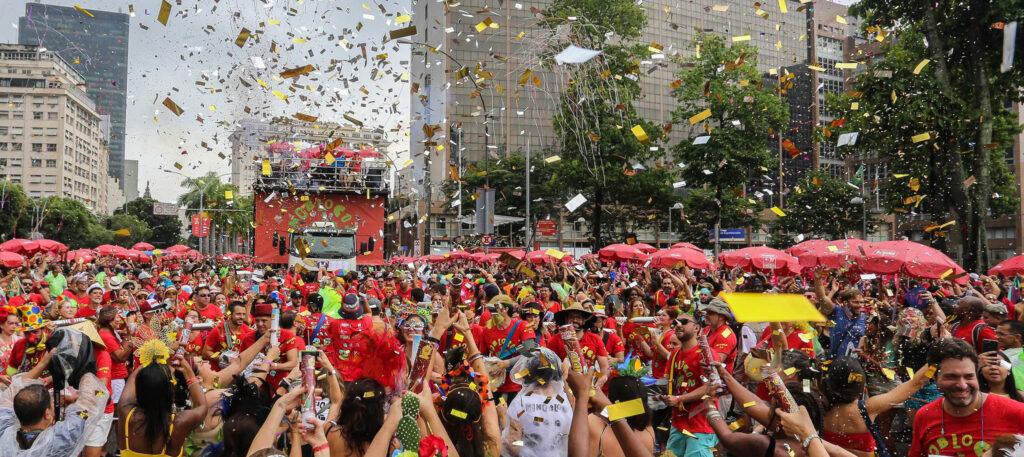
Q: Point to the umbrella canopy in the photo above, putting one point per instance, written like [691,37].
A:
[542,256]
[11,259]
[86,255]
[669,258]
[109,249]
[683,244]
[193,254]
[485,257]
[19,245]
[137,256]
[622,252]
[460,255]
[907,257]
[178,248]
[761,258]
[1009,267]
[55,247]
[830,254]
[645,248]
[518,253]
[143,246]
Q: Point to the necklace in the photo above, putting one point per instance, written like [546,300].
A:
[942,419]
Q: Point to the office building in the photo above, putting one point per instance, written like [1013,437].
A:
[97,47]
[51,136]
[251,138]
[131,180]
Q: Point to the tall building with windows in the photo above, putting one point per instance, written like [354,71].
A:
[52,140]
[251,137]
[97,47]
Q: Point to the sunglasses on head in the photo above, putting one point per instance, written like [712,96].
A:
[682,322]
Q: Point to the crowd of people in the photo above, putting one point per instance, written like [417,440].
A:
[223,358]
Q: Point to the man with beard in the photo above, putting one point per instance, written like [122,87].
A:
[691,435]
[501,334]
[201,304]
[288,344]
[591,346]
[964,421]
[237,325]
[348,338]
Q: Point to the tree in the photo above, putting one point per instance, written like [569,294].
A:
[958,96]
[166,230]
[137,229]
[702,208]
[820,206]
[720,94]
[13,205]
[65,220]
[232,215]
[603,136]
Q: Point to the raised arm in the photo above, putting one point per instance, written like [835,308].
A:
[881,403]
[267,434]
[825,304]
[489,419]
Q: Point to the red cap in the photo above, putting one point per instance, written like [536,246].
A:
[262,310]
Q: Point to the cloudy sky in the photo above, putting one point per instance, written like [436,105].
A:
[198,44]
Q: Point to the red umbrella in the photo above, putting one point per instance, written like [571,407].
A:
[518,253]
[831,254]
[55,247]
[622,252]
[540,256]
[87,255]
[193,254]
[683,244]
[19,245]
[137,256]
[908,257]
[143,246]
[11,260]
[178,248]
[761,258]
[1009,267]
[460,255]
[669,258]
[645,248]
[108,249]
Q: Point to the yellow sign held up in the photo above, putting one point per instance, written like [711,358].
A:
[747,307]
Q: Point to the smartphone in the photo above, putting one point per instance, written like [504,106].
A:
[989,346]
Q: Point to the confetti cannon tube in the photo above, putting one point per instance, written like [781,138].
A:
[709,359]
[309,382]
[777,389]
[67,322]
[275,326]
[572,347]
[421,365]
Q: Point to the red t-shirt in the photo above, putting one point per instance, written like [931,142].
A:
[966,332]
[20,300]
[964,435]
[216,342]
[797,339]
[118,370]
[612,343]
[210,313]
[18,355]
[723,341]
[85,311]
[286,341]
[346,345]
[685,373]
[459,340]
[552,306]
[661,298]
[590,345]
[103,370]
[494,339]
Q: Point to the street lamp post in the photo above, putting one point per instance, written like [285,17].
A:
[678,206]
[202,195]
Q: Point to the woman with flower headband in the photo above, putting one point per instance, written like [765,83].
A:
[149,426]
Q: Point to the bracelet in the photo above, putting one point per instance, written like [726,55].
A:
[192,380]
[475,357]
[322,447]
[431,339]
[807,441]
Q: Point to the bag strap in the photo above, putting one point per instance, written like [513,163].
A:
[316,331]
[508,338]
[975,335]
[880,449]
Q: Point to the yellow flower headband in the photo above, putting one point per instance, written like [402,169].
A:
[154,351]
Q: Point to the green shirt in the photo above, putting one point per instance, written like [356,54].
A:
[57,284]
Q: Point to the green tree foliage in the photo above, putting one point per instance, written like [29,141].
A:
[949,175]
[137,229]
[166,230]
[65,220]
[958,97]
[701,208]
[724,79]
[819,207]
[233,215]
[596,114]
[13,205]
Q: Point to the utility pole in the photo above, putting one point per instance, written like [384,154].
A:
[529,224]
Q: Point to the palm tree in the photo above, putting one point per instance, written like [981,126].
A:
[231,216]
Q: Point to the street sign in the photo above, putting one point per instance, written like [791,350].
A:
[165,209]
[546,227]
[731,234]
[487,240]
[200,226]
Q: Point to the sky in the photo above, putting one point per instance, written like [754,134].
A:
[198,44]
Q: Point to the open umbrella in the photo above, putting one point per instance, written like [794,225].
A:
[143,246]
[622,252]
[86,255]
[137,256]
[20,245]
[907,257]
[459,255]
[109,249]
[831,254]
[669,258]
[1009,267]
[645,248]
[761,258]
[11,259]
[542,256]
[55,247]
[178,248]
[518,253]
[683,244]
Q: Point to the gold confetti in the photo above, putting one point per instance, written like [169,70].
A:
[84,11]
[720,8]
[173,106]
[639,133]
[296,72]
[700,116]
[402,32]
[243,36]
[165,12]
[402,19]
[552,159]
[280,95]
[228,194]
[778,211]
[266,167]
[921,137]
[782,6]
[737,39]
[920,66]
[305,117]
[840,19]
[353,120]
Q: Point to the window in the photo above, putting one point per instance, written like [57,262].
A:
[3,130]
[37,163]
[37,147]
[3,146]
[37,115]
[15,146]
[51,116]
[51,147]
[51,163]
[3,162]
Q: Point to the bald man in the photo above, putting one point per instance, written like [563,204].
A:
[969,326]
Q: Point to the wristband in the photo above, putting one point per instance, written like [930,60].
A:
[807,441]
[192,380]
[322,447]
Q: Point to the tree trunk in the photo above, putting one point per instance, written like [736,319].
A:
[595,225]
[982,145]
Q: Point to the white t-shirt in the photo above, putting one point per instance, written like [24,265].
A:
[544,422]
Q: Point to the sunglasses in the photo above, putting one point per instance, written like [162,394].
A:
[202,295]
[681,322]
[415,327]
